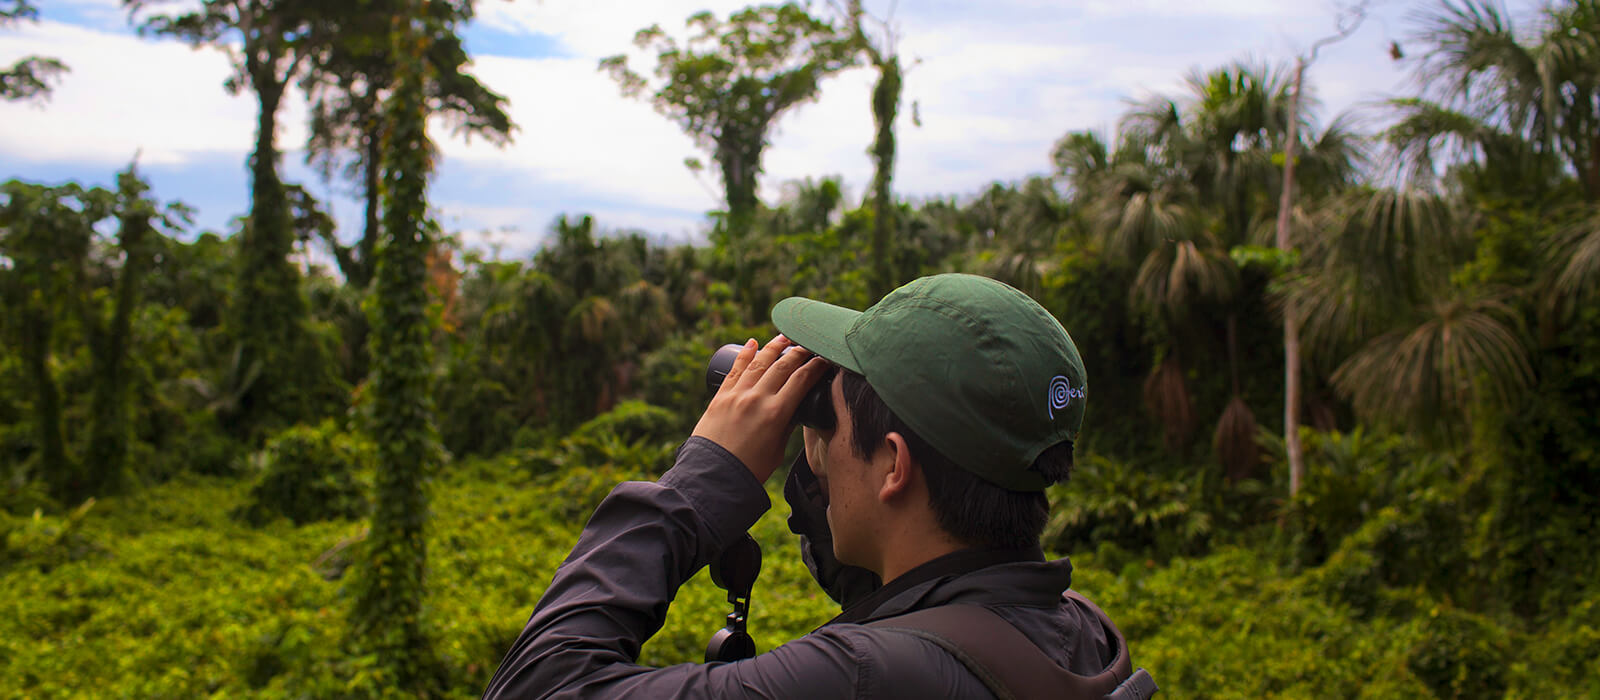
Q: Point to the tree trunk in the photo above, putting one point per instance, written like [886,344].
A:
[108,445]
[885,104]
[268,310]
[388,611]
[66,484]
[739,156]
[373,182]
[1291,326]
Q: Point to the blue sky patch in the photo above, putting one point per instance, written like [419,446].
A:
[488,41]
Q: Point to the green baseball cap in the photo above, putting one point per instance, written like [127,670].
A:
[979,370]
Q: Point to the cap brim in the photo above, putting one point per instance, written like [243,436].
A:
[818,327]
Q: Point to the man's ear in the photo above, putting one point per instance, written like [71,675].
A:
[900,471]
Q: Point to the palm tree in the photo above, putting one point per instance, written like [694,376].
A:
[1410,347]
[1528,104]
[1459,352]
[1188,182]
[1543,86]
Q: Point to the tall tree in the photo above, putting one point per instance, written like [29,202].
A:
[46,233]
[730,81]
[270,42]
[1520,109]
[29,78]
[1412,346]
[110,341]
[388,610]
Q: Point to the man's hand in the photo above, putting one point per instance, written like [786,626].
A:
[752,414]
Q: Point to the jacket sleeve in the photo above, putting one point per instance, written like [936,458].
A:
[611,594]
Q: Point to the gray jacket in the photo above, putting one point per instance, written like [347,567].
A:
[645,540]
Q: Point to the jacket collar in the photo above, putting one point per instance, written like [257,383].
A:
[970,576]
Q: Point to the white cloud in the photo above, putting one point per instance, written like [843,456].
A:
[577,129]
[125,94]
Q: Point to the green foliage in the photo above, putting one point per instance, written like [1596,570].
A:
[1273,261]
[635,436]
[195,603]
[1460,655]
[309,475]
[674,377]
[45,542]
[1406,567]
[630,422]
[1353,476]
[1233,625]
[1110,504]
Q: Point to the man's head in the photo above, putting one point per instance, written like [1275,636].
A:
[977,383]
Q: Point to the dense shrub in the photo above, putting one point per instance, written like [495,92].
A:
[1114,506]
[634,436]
[196,604]
[309,474]
[45,542]
[1460,655]
[1350,478]
[630,422]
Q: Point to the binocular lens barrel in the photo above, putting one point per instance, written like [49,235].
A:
[816,409]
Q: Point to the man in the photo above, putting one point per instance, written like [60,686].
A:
[956,398]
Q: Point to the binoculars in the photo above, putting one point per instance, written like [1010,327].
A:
[816,409]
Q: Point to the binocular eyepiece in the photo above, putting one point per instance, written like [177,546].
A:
[816,409]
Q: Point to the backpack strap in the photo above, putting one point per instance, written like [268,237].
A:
[1010,665]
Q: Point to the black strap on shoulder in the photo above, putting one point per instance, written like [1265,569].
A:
[1011,666]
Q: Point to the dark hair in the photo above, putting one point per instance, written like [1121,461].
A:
[972,510]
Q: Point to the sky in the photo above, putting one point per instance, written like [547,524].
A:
[995,83]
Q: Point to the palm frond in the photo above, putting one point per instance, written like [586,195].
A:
[1475,57]
[1166,396]
[1574,253]
[1466,350]
[1405,240]
[1235,441]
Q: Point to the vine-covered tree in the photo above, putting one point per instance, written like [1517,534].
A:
[387,617]
[110,340]
[46,232]
[270,42]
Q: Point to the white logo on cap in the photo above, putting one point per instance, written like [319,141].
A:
[1062,393]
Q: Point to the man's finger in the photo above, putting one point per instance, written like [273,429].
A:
[746,354]
[763,360]
[774,378]
[802,379]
